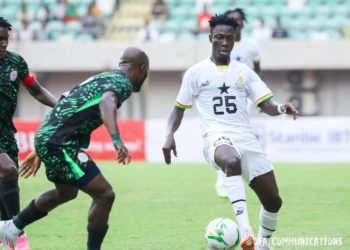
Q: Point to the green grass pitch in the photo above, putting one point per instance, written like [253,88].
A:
[161,207]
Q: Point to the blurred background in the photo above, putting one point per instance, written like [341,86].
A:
[305,51]
[305,47]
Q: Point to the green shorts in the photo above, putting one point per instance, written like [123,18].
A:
[8,145]
[67,165]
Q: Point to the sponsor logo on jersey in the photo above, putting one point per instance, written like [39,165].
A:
[204,84]
[13,75]
[240,82]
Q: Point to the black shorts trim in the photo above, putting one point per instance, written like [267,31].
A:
[90,174]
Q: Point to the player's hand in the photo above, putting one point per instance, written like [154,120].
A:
[169,146]
[289,109]
[122,154]
[30,165]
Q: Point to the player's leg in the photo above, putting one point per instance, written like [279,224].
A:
[265,187]
[220,184]
[36,210]
[9,190]
[102,201]
[229,160]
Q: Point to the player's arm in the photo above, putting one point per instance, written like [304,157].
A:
[174,123]
[272,108]
[31,163]
[108,109]
[38,91]
[257,68]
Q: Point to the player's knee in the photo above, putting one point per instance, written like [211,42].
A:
[232,166]
[9,172]
[68,196]
[273,204]
[108,197]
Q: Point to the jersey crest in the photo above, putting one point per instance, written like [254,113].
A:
[13,75]
[240,82]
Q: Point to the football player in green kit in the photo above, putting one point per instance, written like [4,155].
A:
[13,72]
[63,134]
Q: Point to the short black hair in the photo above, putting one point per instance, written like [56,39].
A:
[218,19]
[4,23]
[238,10]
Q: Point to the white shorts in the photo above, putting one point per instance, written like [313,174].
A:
[254,161]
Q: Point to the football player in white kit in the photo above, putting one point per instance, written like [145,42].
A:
[246,50]
[220,87]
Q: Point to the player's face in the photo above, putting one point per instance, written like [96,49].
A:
[141,75]
[239,19]
[4,40]
[222,39]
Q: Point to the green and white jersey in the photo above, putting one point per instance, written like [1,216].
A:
[13,68]
[220,94]
[77,114]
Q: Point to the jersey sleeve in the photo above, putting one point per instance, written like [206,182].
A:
[257,90]
[23,70]
[187,90]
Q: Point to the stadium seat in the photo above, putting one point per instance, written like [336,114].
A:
[180,12]
[35,25]
[73,27]
[186,36]
[171,25]
[49,2]
[81,2]
[55,26]
[9,12]
[85,37]
[190,24]
[203,37]
[13,2]
[340,10]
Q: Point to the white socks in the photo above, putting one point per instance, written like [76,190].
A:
[268,224]
[220,178]
[236,193]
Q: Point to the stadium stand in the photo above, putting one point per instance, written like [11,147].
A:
[311,19]
[64,18]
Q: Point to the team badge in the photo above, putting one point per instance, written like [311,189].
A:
[240,82]
[13,75]
[83,157]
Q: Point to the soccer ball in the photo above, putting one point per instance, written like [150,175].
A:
[222,234]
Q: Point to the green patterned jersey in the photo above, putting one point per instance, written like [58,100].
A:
[77,113]
[13,68]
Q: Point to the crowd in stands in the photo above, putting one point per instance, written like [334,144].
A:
[267,19]
[171,20]
[58,19]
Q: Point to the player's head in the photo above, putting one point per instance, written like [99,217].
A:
[135,63]
[5,28]
[222,30]
[239,15]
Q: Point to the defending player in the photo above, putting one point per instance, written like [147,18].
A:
[13,72]
[246,50]
[63,134]
[220,88]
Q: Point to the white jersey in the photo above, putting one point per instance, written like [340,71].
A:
[246,51]
[220,94]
